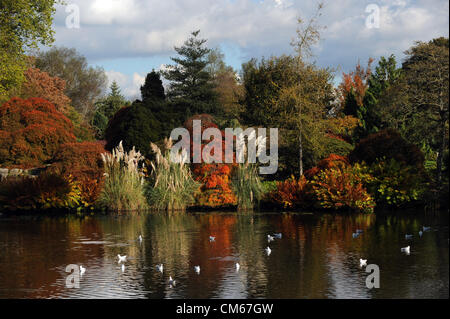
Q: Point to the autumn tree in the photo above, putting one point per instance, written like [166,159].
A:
[84,84]
[41,84]
[31,132]
[24,25]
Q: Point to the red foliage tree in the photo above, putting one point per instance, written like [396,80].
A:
[31,132]
[356,81]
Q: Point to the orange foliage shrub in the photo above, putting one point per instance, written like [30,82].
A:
[340,188]
[216,189]
[216,185]
[292,193]
[31,132]
[84,163]
[332,161]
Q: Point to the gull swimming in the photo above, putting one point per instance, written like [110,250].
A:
[406,249]
[270,238]
[408,236]
[140,238]
[123,268]
[82,270]
[426,228]
[197,269]
[212,238]
[362,262]
[279,235]
[122,258]
[420,233]
[355,235]
[237,266]
[268,251]
[160,267]
[171,281]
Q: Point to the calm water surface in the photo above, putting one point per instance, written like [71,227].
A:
[316,257]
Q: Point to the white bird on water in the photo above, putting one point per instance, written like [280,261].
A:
[406,249]
[408,236]
[426,228]
[270,238]
[123,268]
[122,258]
[212,238]
[268,251]
[420,233]
[279,235]
[197,269]
[160,267]
[171,281]
[238,266]
[82,270]
[140,238]
[362,262]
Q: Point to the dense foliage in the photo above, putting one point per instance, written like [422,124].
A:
[31,132]
[83,162]
[387,144]
[105,109]
[47,191]
[24,25]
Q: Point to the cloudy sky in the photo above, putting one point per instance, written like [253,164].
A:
[129,38]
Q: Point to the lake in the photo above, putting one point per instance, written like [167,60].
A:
[317,256]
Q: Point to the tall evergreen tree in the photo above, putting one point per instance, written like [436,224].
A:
[191,89]
[386,74]
[153,87]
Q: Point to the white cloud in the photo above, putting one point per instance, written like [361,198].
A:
[112,29]
[129,85]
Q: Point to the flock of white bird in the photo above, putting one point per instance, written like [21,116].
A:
[160,267]
[270,238]
[406,250]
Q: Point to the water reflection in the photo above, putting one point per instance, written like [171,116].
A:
[317,257]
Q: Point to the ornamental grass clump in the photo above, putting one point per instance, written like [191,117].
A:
[246,182]
[171,186]
[124,181]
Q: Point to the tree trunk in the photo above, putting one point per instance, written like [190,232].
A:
[440,157]
[300,153]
